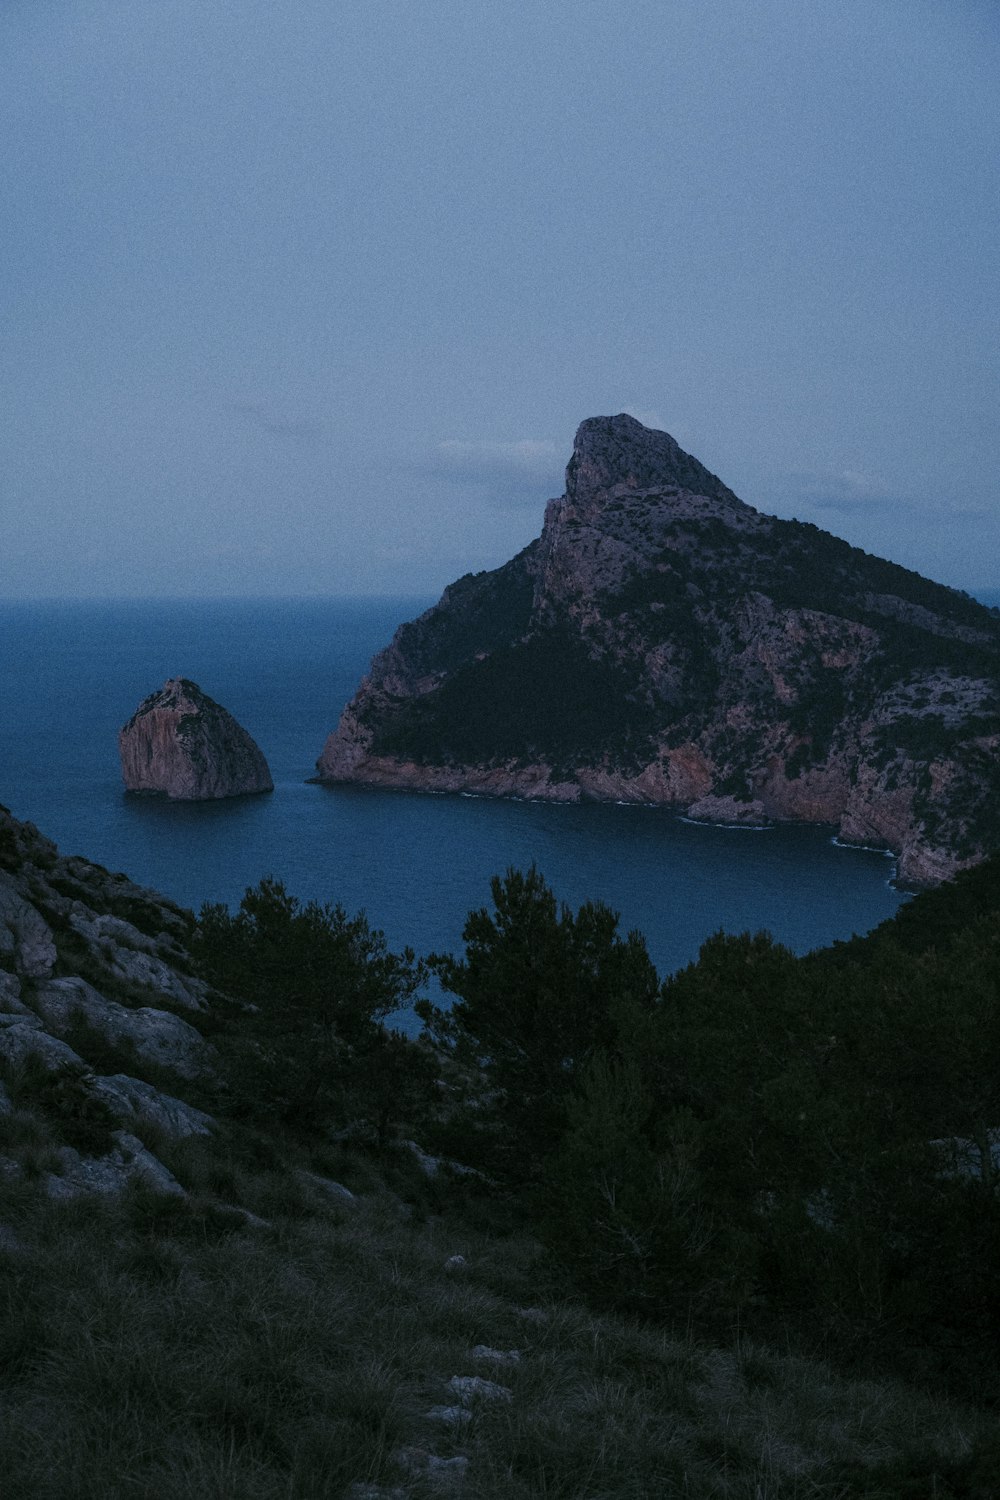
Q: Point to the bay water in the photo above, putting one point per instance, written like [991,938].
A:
[72,672]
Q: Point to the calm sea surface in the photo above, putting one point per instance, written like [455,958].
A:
[72,673]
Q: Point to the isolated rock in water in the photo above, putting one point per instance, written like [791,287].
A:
[181,743]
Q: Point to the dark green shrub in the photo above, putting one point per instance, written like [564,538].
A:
[61,1096]
[310,1048]
[540,991]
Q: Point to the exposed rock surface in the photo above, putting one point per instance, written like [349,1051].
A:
[28,1039]
[472,1388]
[127,1162]
[327,1190]
[131,1099]
[25,938]
[181,743]
[156,1036]
[72,935]
[663,642]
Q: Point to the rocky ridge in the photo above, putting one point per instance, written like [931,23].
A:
[93,974]
[182,744]
[664,642]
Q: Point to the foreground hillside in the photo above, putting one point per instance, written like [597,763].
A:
[227,1270]
[664,642]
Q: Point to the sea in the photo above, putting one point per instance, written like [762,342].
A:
[72,672]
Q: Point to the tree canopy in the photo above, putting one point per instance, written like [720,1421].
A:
[320,984]
[540,990]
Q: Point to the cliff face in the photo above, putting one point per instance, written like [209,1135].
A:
[663,642]
[181,743]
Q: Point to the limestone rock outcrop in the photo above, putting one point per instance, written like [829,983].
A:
[664,642]
[181,744]
[127,1162]
[155,1036]
[72,935]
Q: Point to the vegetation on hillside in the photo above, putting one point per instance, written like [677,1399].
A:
[672,1181]
[807,1148]
[308,989]
[508,687]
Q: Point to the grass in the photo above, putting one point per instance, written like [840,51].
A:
[152,1349]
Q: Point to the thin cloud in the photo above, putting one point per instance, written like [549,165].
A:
[513,471]
[649,418]
[303,429]
[847,490]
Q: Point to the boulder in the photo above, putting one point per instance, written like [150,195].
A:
[496,1356]
[12,1007]
[471,1388]
[148,972]
[25,1039]
[439,1475]
[26,941]
[129,1162]
[181,744]
[131,1099]
[10,993]
[132,957]
[449,1416]
[328,1190]
[157,1035]
[22,1017]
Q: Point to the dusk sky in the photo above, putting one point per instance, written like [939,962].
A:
[310,298]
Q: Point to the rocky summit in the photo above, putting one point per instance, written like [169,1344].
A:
[184,745]
[664,642]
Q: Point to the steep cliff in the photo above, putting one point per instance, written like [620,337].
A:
[182,743]
[664,642]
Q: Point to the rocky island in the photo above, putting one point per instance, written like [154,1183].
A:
[664,642]
[181,744]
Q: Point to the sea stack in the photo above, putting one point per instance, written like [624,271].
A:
[181,744]
[664,642]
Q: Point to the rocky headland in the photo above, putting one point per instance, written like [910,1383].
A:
[664,642]
[181,744]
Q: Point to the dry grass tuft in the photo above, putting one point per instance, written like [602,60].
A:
[152,1349]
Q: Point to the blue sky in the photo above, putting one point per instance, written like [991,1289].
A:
[311,298]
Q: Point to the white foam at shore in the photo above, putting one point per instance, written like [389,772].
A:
[863,848]
[738,827]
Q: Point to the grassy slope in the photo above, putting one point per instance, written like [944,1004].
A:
[161,1351]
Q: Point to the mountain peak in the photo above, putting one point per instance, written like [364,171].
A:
[664,643]
[609,452]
